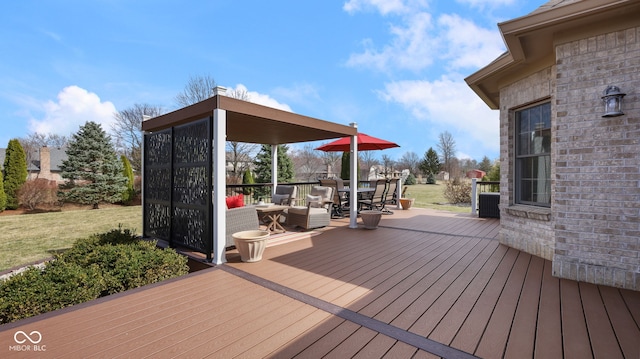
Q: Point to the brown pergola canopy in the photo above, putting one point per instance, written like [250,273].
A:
[253,123]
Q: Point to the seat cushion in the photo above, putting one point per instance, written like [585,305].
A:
[303,210]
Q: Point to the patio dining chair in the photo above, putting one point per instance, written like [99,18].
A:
[376,200]
[391,194]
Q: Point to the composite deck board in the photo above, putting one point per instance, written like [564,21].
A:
[404,300]
[439,275]
[598,324]
[449,296]
[575,336]
[411,314]
[386,287]
[548,342]
[452,320]
[473,327]
[626,329]
[376,347]
[522,335]
[398,289]
[494,340]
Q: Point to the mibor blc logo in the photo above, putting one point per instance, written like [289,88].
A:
[27,342]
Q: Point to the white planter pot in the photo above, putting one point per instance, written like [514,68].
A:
[370,219]
[251,244]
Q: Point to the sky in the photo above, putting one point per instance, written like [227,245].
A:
[394,67]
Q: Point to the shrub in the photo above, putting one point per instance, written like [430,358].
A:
[458,191]
[37,192]
[100,265]
[37,291]
[411,179]
[431,178]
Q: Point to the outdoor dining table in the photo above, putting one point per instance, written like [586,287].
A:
[363,192]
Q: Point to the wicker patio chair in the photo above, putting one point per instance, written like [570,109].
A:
[317,212]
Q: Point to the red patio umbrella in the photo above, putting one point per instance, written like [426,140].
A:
[365,143]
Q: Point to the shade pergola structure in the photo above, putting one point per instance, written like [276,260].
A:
[184,178]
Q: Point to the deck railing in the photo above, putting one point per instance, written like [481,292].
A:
[254,192]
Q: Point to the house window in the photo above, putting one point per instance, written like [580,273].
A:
[533,155]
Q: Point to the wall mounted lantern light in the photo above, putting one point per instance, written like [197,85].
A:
[612,101]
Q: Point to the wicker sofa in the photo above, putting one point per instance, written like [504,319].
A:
[240,219]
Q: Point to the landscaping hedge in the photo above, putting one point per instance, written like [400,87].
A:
[97,266]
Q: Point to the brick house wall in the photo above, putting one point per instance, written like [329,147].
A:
[596,208]
[592,230]
[526,228]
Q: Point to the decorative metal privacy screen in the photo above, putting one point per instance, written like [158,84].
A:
[177,170]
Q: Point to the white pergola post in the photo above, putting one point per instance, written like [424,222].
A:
[274,168]
[219,182]
[353,182]
[398,193]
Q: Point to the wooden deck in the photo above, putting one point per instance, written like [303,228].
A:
[425,284]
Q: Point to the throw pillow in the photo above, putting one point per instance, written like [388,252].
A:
[235,201]
[314,201]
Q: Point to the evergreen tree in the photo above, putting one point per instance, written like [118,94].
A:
[430,165]
[129,193]
[345,173]
[92,168]
[263,168]
[247,178]
[15,172]
[263,165]
[485,165]
[3,196]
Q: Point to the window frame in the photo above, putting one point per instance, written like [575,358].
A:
[531,156]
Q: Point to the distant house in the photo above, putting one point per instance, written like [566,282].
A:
[476,174]
[570,168]
[44,163]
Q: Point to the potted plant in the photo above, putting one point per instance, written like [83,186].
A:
[250,244]
[405,201]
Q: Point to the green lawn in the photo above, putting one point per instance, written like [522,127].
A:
[28,238]
[432,196]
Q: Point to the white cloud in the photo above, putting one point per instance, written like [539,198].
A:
[74,107]
[447,103]
[468,45]
[384,7]
[412,47]
[486,3]
[262,99]
[417,41]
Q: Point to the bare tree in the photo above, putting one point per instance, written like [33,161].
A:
[367,160]
[447,146]
[240,155]
[331,161]
[409,160]
[388,164]
[35,140]
[127,131]
[309,166]
[198,88]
